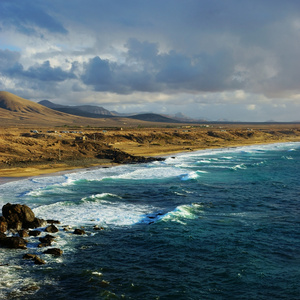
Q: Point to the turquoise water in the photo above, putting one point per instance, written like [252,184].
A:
[213,224]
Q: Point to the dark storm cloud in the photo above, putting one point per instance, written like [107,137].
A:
[147,70]
[45,72]
[27,16]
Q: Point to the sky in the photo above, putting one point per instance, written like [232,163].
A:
[236,60]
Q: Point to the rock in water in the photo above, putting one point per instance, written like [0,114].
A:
[51,228]
[16,215]
[34,232]
[79,231]
[37,260]
[13,242]
[54,251]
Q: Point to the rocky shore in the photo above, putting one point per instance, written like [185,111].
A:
[18,223]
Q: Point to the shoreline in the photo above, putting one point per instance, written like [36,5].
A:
[39,170]
[24,154]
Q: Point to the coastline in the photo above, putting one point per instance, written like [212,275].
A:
[40,170]
[24,154]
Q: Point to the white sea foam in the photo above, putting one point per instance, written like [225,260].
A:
[182,213]
[92,213]
[189,176]
[147,173]
[239,167]
[205,161]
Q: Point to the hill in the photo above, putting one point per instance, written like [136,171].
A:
[15,103]
[89,111]
[17,111]
[153,118]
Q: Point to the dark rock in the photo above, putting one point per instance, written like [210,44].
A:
[51,228]
[3,224]
[54,251]
[47,239]
[2,235]
[122,157]
[38,261]
[15,226]
[96,227]
[36,223]
[16,214]
[53,222]
[34,232]
[23,233]
[29,256]
[13,242]
[79,231]
[43,245]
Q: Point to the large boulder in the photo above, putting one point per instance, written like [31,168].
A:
[13,242]
[16,215]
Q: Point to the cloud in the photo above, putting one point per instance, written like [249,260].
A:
[147,70]
[200,52]
[28,16]
[45,72]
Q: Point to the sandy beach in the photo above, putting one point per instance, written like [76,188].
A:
[25,154]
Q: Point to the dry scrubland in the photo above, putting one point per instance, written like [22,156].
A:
[25,153]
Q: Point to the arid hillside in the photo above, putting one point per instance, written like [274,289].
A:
[17,111]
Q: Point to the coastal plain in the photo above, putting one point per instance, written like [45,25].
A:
[31,151]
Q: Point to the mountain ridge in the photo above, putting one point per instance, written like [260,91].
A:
[17,111]
[92,109]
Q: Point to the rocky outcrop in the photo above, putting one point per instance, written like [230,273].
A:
[121,157]
[16,215]
[14,242]
[17,222]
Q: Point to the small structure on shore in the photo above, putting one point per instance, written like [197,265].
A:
[80,138]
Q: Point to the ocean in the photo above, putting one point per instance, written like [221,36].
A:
[211,224]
